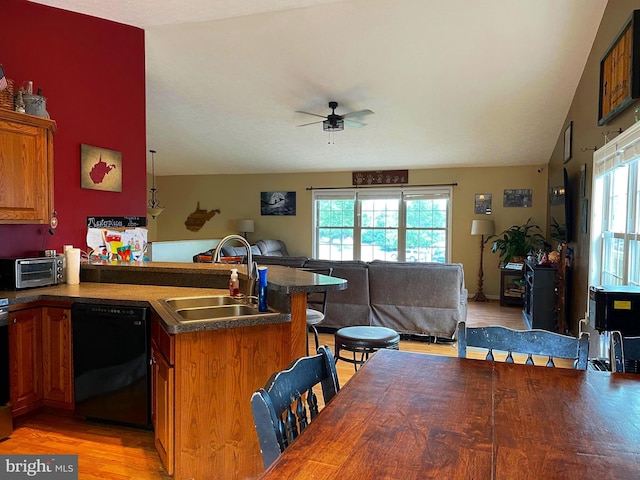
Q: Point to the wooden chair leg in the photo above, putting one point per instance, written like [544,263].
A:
[315,336]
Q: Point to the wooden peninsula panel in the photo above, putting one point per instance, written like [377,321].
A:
[216,373]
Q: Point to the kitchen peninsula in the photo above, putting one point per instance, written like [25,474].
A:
[203,373]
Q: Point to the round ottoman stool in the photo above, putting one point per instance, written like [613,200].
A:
[363,341]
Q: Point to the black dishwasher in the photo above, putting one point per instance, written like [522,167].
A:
[111,363]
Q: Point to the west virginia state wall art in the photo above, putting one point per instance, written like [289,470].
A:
[100,169]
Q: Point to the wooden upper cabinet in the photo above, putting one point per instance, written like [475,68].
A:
[26,168]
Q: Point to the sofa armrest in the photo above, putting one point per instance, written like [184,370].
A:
[272,248]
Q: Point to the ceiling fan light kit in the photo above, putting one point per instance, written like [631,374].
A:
[334,125]
[335,122]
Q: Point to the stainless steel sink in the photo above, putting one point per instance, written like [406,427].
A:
[210,307]
[216,313]
[198,302]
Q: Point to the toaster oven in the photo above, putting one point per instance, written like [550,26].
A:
[17,273]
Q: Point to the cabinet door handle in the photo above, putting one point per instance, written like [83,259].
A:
[15,320]
[64,316]
[152,361]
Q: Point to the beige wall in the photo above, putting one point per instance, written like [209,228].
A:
[587,135]
[238,196]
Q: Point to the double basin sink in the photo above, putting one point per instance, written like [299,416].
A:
[211,307]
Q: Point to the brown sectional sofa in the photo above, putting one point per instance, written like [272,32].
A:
[412,298]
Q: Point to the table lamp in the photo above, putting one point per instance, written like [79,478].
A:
[245,226]
[484,228]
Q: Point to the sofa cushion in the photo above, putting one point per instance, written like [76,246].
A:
[350,306]
[271,247]
[427,298]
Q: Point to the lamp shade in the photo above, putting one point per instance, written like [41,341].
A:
[245,226]
[483,227]
[154,211]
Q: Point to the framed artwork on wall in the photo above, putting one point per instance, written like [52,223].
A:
[522,197]
[620,71]
[277,203]
[482,204]
[568,139]
[100,169]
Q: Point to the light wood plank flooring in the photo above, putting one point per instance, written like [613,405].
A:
[118,453]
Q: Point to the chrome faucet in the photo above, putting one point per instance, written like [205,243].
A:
[252,267]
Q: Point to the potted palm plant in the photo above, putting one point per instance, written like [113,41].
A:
[517,241]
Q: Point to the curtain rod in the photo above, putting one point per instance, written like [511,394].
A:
[384,186]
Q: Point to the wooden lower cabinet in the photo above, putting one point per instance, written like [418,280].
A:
[162,405]
[40,359]
[201,385]
[216,372]
[25,360]
[57,357]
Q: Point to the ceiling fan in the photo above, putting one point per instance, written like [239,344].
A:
[334,122]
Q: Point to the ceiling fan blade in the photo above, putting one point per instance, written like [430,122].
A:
[312,123]
[359,113]
[314,114]
[354,123]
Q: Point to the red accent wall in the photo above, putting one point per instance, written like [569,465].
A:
[92,72]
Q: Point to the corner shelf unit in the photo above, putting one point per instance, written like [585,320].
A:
[539,297]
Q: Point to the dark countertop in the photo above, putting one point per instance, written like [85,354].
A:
[283,280]
[141,296]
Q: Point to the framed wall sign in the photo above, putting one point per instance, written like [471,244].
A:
[380,177]
[620,71]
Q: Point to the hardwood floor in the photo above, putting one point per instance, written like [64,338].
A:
[117,453]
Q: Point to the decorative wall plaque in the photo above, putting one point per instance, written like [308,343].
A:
[380,177]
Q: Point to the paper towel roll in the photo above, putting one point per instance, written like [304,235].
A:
[72,259]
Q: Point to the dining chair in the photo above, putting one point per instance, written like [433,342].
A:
[279,411]
[624,353]
[316,305]
[529,342]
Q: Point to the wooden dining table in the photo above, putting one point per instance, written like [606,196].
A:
[417,416]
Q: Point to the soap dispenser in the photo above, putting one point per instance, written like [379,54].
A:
[234,284]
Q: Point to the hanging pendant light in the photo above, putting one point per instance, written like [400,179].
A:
[153,206]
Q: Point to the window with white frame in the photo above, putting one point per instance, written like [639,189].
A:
[409,224]
[615,227]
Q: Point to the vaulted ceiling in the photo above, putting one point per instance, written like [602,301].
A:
[451,82]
